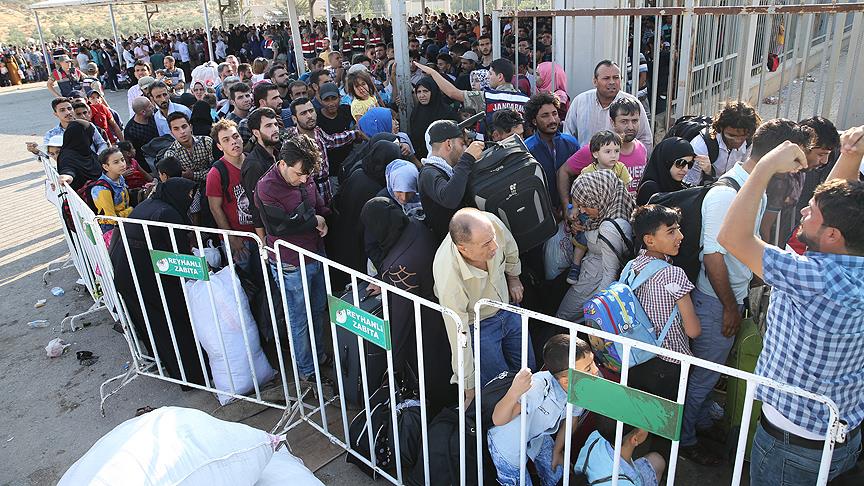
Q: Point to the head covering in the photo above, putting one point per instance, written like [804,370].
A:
[480,76]
[664,154]
[471,56]
[383,221]
[544,80]
[201,119]
[187,99]
[55,141]
[327,90]
[175,193]
[604,191]
[376,120]
[443,130]
[146,81]
[382,153]
[76,156]
[402,176]
[424,115]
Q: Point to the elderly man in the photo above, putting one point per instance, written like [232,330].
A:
[589,111]
[479,259]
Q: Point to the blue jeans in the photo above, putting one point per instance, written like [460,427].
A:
[296,304]
[712,346]
[508,472]
[776,462]
[501,345]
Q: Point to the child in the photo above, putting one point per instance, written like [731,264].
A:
[596,457]
[546,401]
[360,86]
[112,197]
[169,167]
[136,177]
[605,148]
[657,229]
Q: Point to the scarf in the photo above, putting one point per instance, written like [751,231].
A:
[440,163]
[544,81]
[402,177]
[381,154]
[384,222]
[376,120]
[660,162]
[175,193]
[424,115]
[604,191]
[480,77]
[76,157]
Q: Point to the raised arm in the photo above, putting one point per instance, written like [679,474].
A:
[851,149]
[444,85]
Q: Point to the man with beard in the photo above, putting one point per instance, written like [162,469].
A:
[589,111]
[624,113]
[550,147]
[306,123]
[141,128]
[484,45]
[164,107]
[264,95]
[264,125]
[816,319]
[241,99]
[333,118]
[278,75]
[195,154]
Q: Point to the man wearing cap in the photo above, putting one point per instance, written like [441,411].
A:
[467,64]
[445,172]
[501,94]
[64,77]
[142,79]
[334,117]
[162,100]
[141,128]
[90,81]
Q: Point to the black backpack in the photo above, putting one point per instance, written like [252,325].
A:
[85,192]
[508,182]
[155,149]
[690,202]
[689,126]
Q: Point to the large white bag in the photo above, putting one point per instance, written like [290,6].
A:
[558,253]
[233,365]
[174,446]
[286,469]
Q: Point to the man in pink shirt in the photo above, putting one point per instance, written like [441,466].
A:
[625,122]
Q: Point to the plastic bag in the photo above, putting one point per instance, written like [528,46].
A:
[56,347]
[232,366]
[557,253]
[211,254]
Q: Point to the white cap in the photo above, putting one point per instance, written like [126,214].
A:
[55,141]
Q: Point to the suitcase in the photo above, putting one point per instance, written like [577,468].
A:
[349,351]
[744,355]
[507,182]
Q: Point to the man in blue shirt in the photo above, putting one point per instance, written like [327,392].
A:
[550,147]
[815,322]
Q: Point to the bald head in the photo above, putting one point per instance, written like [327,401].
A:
[474,235]
[464,224]
[140,103]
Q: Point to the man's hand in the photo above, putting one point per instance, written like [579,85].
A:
[786,157]
[475,149]
[188,174]
[515,288]
[852,141]
[406,150]
[372,289]
[557,456]
[521,383]
[322,225]
[731,321]
[32,148]
[426,69]
[704,163]
[238,250]
[65,179]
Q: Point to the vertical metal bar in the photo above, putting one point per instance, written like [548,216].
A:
[682,394]
[667,119]
[742,434]
[747,47]
[635,50]
[280,273]
[421,366]
[619,428]
[708,66]
[568,430]
[851,68]
[658,23]
[207,26]
[117,46]
[364,379]
[42,41]
[688,51]
[295,36]
[783,62]
[533,48]
[310,324]
[523,414]
[822,65]
[149,27]
[516,51]
[330,24]
[802,67]
[265,270]
[836,45]
[727,25]
[766,46]
[385,301]
[235,285]
[496,34]
[478,385]
[338,361]
[403,63]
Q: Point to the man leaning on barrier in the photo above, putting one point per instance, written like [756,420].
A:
[815,322]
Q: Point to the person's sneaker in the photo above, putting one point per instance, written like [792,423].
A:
[573,274]
[312,381]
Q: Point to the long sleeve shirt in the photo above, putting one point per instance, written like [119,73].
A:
[460,285]
[585,117]
[198,159]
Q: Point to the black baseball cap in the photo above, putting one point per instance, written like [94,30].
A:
[443,130]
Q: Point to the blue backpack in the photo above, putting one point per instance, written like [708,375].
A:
[616,310]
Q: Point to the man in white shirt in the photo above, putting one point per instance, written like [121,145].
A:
[162,100]
[221,50]
[724,142]
[589,111]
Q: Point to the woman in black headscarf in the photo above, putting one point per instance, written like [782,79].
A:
[375,164]
[201,119]
[168,204]
[76,158]
[432,105]
[402,250]
[665,171]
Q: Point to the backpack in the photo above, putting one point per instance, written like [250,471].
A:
[582,476]
[690,202]
[616,310]
[629,252]
[689,126]
[219,164]
[85,192]
[508,182]
[155,149]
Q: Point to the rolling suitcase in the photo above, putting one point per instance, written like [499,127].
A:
[744,355]
[507,182]
[349,351]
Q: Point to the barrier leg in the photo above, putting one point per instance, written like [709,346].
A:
[63,262]
[96,307]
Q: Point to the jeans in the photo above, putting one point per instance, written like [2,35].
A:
[508,473]
[501,345]
[712,346]
[295,302]
[776,462]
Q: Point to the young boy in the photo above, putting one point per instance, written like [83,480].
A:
[658,229]
[597,456]
[546,402]
[112,197]
[169,167]
[605,149]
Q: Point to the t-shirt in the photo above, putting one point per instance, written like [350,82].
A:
[237,208]
[342,122]
[360,107]
[618,169]
[634,162]
[100,115]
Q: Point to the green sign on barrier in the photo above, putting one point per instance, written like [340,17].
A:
[637,408]
[87,230]
[367,326]
[179,265]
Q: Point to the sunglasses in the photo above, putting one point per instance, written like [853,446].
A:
[681,163]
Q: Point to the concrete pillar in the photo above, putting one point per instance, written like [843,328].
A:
[579,63]
[403,68]
[295,36]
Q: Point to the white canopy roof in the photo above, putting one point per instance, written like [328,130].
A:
[51,4]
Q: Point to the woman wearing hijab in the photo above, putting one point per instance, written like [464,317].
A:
[380,156]
[401,178]
[201,119]
[545,74]
[76,158]
[665,171]
[431,106]
[169,204]
[402,250]
[480,79]
[383,120]
[604,199]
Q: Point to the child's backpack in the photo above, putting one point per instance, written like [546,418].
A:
[490,395]
[690,202]
[85,192]
[616,310]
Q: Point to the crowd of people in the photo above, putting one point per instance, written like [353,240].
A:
[324,162]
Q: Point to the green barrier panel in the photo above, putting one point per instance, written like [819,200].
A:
[179,265]
[367,326]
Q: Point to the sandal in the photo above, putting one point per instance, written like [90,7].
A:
[700,455]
